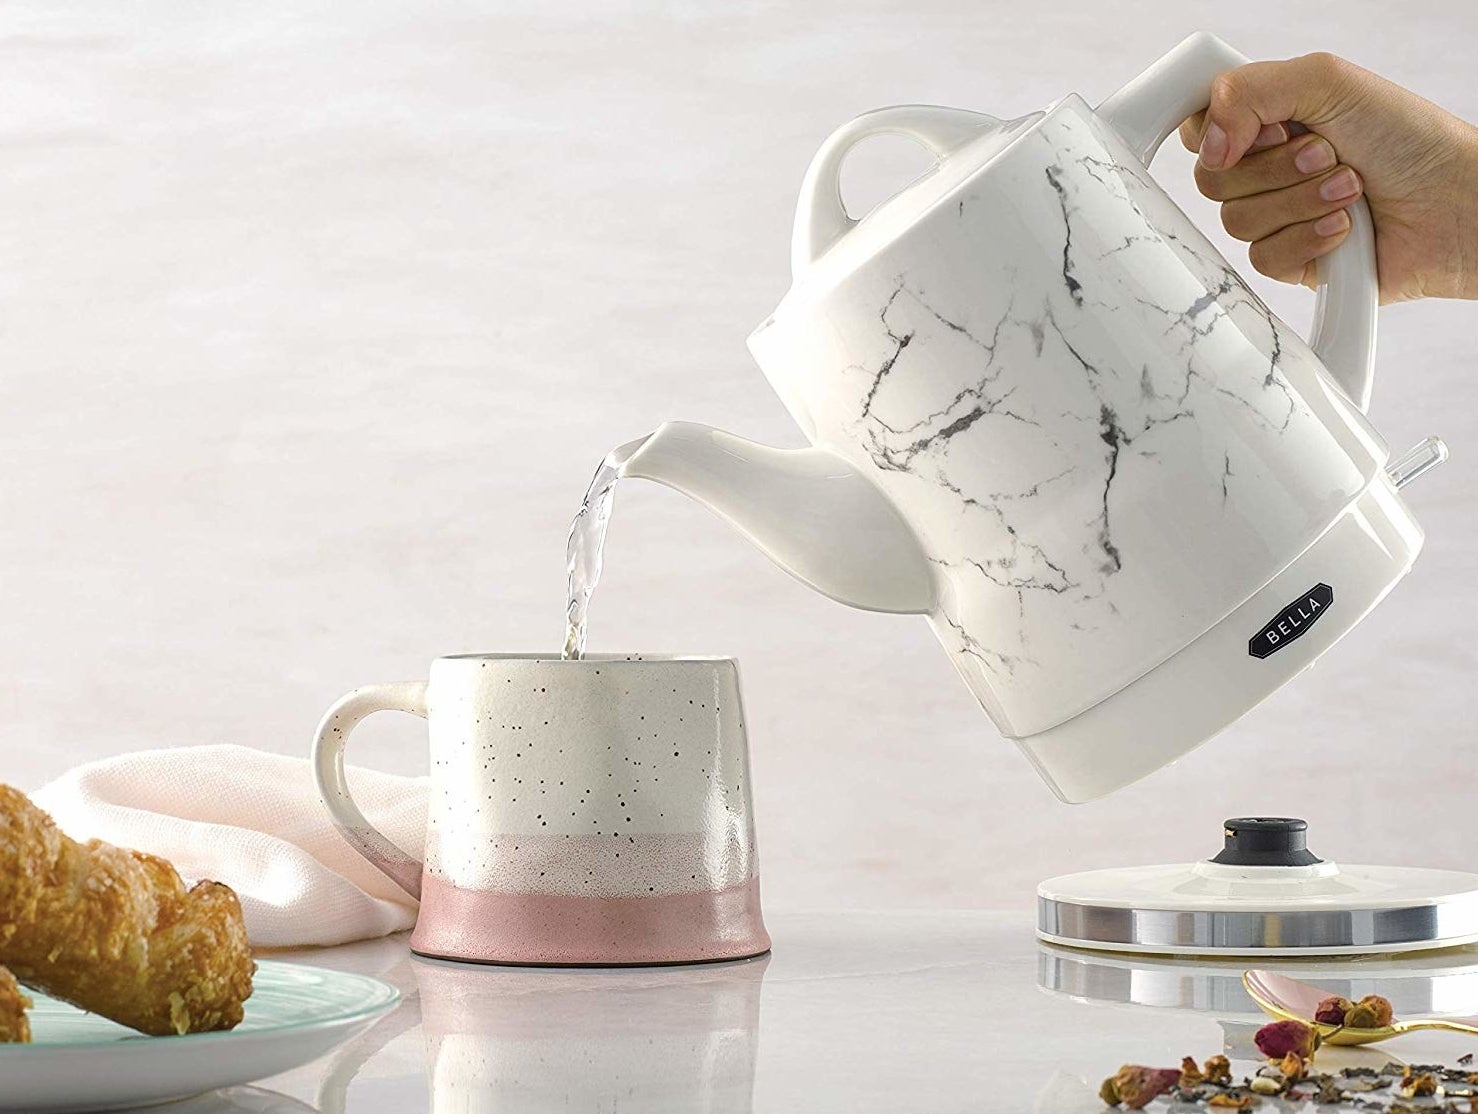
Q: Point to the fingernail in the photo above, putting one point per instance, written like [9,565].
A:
[1270,136]
[1315,156]
[1213,147]
[1339,185]
[1332,224]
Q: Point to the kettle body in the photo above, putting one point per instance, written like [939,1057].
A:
[1118,469]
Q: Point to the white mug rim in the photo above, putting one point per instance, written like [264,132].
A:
[595,659]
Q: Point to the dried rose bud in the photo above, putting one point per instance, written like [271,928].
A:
[1190,1074]
[1233,1102]
[1218,1070]
[1293,1066]
[1277,1039]
[1360,1016]
[1332,1010]
[1381,1007]
[1136,1086]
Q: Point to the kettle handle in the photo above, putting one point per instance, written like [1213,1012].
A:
[1145,111]
[821,217]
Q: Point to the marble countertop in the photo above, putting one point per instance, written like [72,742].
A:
[853,1011]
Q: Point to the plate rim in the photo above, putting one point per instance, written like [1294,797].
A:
[390,998]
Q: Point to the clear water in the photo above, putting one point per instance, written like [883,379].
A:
[588,540]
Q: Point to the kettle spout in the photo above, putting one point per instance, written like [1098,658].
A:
[808,510]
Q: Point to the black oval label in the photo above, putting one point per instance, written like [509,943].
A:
[1292,621]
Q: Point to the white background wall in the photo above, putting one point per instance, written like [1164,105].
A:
[315,319]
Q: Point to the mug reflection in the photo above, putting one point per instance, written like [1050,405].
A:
[232,1100]
[570,1039]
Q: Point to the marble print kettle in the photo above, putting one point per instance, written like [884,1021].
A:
[1045,412]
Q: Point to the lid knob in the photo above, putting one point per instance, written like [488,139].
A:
[1266,841]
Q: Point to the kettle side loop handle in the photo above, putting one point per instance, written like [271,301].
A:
[1145,111]
[821,218]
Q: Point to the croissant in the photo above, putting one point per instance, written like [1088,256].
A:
[115,931]
[14,1026]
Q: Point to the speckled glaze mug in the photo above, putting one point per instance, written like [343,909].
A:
[587,811]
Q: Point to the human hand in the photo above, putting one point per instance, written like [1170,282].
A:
[1286,147]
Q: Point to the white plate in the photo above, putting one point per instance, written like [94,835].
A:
[78,1061]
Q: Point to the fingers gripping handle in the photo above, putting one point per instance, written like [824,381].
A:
[1153,105]
[821,218]
[328,769]
[1343,334]
[1150,107]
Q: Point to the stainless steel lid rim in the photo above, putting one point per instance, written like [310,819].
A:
[1447,921]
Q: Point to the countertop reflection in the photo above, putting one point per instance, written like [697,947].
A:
[501,1038]
[1442,981]
[854,1011]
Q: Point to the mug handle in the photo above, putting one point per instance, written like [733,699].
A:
[1145,111]
[328,769]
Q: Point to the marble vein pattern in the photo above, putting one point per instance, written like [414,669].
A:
[1101,433]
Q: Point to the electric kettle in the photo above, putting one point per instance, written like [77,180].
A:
[1045,412]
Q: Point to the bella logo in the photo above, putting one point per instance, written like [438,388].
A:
[1292,621]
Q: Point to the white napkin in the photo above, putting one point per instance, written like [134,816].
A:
[254,821]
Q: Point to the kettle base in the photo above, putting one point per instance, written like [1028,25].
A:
[1266,894]
[1167,922]
[1238,663]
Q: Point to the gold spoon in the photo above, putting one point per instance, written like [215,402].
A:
[1290,1000]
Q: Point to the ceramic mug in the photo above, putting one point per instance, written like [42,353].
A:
[586,811]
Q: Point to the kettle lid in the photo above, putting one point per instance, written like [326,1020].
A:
[828,242]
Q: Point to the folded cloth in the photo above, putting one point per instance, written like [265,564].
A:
[254,821]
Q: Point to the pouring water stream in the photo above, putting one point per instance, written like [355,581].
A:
[587,540]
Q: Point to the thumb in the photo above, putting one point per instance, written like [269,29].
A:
[1310,90]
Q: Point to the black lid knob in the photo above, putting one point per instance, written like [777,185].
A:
[1266,841]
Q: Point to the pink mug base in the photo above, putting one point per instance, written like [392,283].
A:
[570,931]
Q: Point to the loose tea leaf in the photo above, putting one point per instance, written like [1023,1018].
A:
[1291,1082]
[1136,1086]
[1420,1086]
[1329,1091]
[1359,1086]
[1289,1079]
